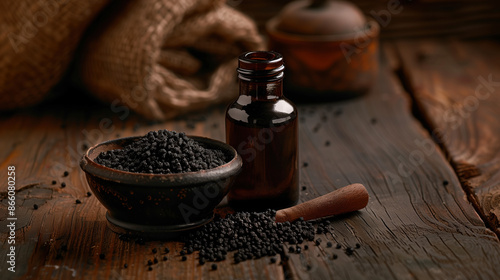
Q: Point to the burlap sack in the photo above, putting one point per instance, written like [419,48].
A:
[166,57]
[37,42]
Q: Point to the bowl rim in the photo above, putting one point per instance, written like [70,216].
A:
[173,180]
[371,29]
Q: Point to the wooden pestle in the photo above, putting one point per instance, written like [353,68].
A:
[346,199]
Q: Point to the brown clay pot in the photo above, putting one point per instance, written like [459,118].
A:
[330,49]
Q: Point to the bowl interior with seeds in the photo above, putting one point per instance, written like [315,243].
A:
[162,183]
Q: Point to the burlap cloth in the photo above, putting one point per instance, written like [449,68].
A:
[37,43]
[163,58]
[157,57]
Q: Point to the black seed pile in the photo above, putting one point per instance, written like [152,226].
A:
[162,152]
[251,235]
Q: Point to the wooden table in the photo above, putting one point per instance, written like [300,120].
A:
[425,142]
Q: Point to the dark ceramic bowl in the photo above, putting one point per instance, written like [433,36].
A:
[159,205]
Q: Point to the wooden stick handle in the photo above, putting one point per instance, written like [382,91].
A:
[347,199]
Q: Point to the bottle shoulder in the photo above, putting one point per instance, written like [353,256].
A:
[261,112]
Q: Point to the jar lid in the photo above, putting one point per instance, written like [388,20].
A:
[320,17]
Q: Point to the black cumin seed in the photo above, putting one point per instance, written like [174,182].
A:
[125,265]
[214,266]
[150,268]
[445,182]
[78,201]
[150,262]
[102,256]
[154,250]
[63,185]
[155,260]
[35,206]
[66,173]
[184,258]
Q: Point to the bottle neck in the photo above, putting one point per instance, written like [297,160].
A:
[262,90]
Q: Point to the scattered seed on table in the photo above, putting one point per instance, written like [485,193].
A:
[306,247]
[329,244]
[35,206]
[63,185]
[78,201]
[89,194]
[334,256]
[66,173]
[184,258]
[304,188]
[54,182]
[165,258]
[201,261]
[291,249]
[318,241]
[166,250]
[125,265]
[155,260]
[150,262]
[338,246]
[273,260]
[102,256]
[154,250]
[358,245]
[150,268]
[305,164]
[182,253]
[445,182]
[214,266]
[349,251]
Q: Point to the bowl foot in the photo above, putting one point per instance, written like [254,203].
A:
[152,231]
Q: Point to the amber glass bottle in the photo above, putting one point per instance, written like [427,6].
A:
[262,126]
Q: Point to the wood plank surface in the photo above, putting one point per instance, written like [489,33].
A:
[406,18]
[414,227]
[457,88]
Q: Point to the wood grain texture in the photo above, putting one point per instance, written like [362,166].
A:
[457,88]
[406,18]
[414,227]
